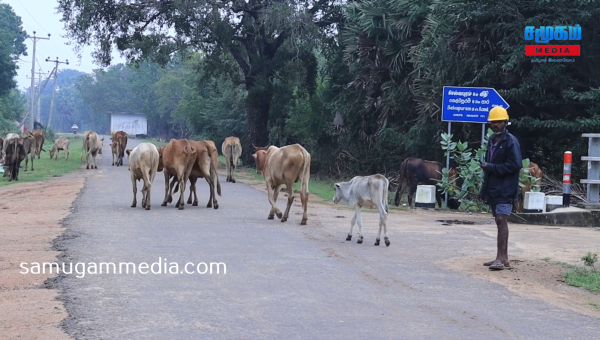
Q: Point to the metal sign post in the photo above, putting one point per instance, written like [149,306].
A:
[469,105]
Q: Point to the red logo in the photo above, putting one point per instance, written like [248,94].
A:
[548,50]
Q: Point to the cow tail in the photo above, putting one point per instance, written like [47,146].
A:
[230,147]
[305,172]
[402,177]
[386,184]
[215,176]
[173,183]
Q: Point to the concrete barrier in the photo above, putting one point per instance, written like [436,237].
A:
[566,217]
[425,197]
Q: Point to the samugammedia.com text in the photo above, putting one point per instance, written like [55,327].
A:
[160,267]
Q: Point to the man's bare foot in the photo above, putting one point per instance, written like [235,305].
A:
[489,263]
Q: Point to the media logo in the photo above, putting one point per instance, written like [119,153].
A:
[544,34]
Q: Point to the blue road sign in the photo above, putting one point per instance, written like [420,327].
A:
[469,104]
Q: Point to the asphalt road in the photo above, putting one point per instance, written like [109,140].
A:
[283,280]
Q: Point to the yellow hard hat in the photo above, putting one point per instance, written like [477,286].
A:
[497,113]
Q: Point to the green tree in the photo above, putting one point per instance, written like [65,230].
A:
[253,34]
[12,37]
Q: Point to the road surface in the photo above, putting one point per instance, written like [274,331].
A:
[282,281]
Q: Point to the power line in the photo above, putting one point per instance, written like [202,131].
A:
[32,16]
[31,28]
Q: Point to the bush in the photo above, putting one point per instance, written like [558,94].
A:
[465,187]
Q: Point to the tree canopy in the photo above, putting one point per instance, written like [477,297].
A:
[359,84]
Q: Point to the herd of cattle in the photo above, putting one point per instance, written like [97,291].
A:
[183,159]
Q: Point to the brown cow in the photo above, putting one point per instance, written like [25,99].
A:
[535,171]
[92,145]
[39,142]
[29,145]
[176,159]
[417,171]
[60,144]
[286,165]
[118,146]
[232,150]
[205,167]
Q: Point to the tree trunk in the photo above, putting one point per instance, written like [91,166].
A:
[257,105]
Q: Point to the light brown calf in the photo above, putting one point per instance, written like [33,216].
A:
[60,144]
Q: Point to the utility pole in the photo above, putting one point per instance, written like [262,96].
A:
[54,86]
[31,100]
[39,107]
[37,100]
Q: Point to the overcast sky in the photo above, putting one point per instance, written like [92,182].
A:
[41,16]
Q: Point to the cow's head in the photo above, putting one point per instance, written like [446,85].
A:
[338,195]
[260,156]
[257,148]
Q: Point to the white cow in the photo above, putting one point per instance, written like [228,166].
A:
[368,191]
[143,164]
[6,140]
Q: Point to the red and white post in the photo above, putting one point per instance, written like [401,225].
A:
[568,160]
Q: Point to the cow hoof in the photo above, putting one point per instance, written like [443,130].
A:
[170,199]
[180,207]
[164,204]
[387,242]
[189,201]
[279,214]
[87,167]
[284,219]
[195,204]
[376,242]
[113,164]
[133,205]
[147,207]
[360,240]
[303,222]
[233,181]
[216,206]
[208,205]
[349,238]
[270,217]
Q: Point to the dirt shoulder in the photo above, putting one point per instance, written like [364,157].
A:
[534,250]
[30,219]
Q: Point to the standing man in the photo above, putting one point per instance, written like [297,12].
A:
[500,189]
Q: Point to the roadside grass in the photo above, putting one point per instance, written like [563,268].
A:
[582,277]
[45,167]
